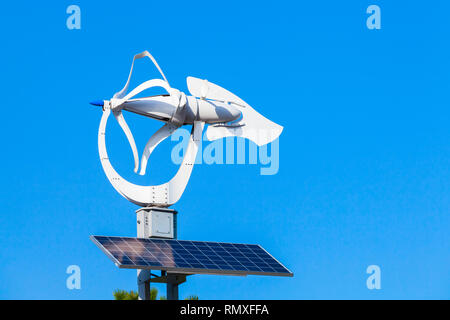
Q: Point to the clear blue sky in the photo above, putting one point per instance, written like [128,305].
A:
[364,158]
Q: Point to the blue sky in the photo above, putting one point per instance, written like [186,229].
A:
[364,172]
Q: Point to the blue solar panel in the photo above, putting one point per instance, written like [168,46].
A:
[190,257]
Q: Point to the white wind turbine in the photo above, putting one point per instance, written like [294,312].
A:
[225,113]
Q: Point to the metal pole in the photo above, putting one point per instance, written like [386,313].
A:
[173,281]
[143,280]
[172,291]
[143,276]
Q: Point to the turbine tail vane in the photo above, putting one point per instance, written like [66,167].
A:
[252,124]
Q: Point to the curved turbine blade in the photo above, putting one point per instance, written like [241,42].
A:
[206,90]
[121,120]
[141,55]
[153,142]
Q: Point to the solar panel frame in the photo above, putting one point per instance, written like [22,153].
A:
[190,257]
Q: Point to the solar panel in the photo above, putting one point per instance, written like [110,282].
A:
[190,257]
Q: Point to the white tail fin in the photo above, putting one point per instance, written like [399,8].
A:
[252,125]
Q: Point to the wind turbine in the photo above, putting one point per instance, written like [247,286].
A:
[225,113]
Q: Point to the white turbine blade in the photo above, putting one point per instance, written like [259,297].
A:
[252,126]
[146,85]
[123,92]
[206,90]
[121,120]
[153,142]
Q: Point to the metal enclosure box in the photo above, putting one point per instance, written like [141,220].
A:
[156,223]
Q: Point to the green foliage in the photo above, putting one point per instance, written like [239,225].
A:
[153,294]
[125,295]
[131,295]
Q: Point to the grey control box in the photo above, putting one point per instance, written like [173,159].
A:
[155,222]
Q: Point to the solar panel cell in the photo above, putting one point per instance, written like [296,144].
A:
[190,256]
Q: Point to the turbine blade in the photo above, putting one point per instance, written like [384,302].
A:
[141,55]
[121,120]
[164,132]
